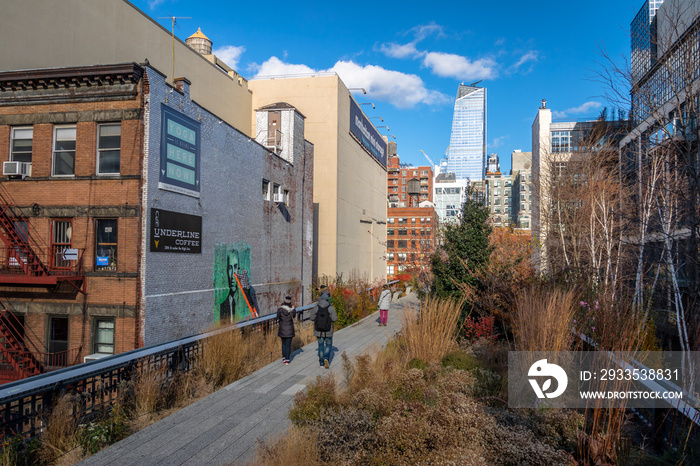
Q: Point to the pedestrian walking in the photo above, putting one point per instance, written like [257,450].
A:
[285,316]
[323,315]
[383,305]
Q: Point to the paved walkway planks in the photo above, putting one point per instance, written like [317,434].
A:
[224,427]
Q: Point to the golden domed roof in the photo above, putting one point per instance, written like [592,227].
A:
[199,35]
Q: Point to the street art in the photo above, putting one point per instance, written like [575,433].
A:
[229,300]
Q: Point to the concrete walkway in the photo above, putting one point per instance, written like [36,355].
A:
[223,428]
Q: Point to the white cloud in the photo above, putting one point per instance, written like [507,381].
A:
[422,31]
[276,67]
[583,108]
[229,54]
[498,142]
[154,3]
[449,65]
[531,56]
[399,89]
[400,50]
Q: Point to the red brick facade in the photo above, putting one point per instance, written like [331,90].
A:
[82,100]
[411,229]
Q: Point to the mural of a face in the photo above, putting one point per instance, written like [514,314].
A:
[229,260]
[232,270]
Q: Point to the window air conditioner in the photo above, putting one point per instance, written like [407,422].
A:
[95,357]
[17,169]
[279,198]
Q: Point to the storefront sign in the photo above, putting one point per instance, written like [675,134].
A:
[175,232]
[366,133]
[179,153]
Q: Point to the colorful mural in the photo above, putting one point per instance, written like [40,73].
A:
[229,300]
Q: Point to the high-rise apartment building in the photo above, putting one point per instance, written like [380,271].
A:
[498,193]
[466,155]
[521,193]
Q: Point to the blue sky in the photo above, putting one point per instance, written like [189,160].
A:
[410,57]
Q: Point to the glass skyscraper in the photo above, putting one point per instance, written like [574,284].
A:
[466,156]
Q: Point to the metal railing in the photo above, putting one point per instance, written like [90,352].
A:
[96,384]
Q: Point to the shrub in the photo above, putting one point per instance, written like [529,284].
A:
[60,433]
[430,336]
[312,403]
[459,360]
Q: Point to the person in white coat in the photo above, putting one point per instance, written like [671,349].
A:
[384,303]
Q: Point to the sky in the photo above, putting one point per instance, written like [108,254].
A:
[410,57]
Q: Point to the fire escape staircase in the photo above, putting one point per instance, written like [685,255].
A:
[14,348]
[26,263]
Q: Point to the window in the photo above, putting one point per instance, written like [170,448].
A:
[390,270]
[390,243]
[286,197]
[525,224]
[21,145]
[403,173]
[390,232]
[403,232]
[58,338]
[402,244]
[64,151]
[277,193]
[402,256]
[266,190]
[403,196]
[424,173]
[390,256]
[415,172]
[109,139]
[61,233]
[106,244]
[104,336]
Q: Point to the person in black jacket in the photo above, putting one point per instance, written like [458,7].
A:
[285,316]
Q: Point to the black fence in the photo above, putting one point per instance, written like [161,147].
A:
[96,385]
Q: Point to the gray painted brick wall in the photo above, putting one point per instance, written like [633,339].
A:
[179,289]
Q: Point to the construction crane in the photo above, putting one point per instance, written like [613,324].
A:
[432,165]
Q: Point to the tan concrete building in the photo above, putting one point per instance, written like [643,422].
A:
[118,32]
[350,175]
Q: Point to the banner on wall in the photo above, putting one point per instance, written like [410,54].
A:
[366,133]
[179,153]
[175,232]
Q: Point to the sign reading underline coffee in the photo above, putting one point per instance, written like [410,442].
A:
[175,232]
[179,153]
[366,133]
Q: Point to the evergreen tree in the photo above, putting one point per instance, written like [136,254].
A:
[465,249]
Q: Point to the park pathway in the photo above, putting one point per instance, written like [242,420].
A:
[224,427]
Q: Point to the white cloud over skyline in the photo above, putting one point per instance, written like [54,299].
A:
[402,90]
[583,108]
[449,65]
[229,54]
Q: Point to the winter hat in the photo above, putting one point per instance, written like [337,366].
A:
[288,300]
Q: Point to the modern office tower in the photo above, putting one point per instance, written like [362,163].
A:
[466,156]
[521,194]
[658,158]
[554,146]
[559,151]
[643,39]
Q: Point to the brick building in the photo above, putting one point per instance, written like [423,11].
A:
[412,221]
[122,223]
